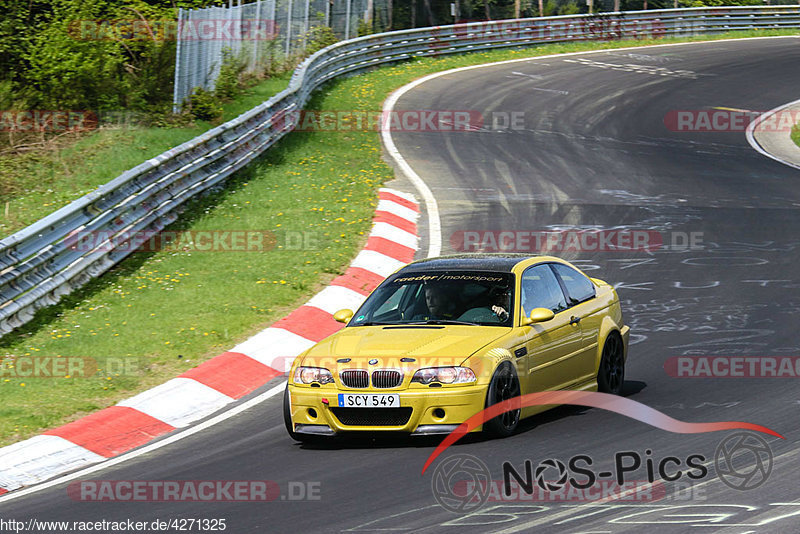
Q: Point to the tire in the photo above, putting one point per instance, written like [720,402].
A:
[611,373]
[504,385]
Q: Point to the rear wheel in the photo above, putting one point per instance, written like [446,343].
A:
[504,386]
[611,374]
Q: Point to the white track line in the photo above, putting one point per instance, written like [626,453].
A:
[34,460]
[148,448]
[434,221]
[754,124]
[431,206]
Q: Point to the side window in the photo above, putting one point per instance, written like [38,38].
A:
[579,288]
[540,289]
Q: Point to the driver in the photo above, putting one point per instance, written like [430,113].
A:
[439,302]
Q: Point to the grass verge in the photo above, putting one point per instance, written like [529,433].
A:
[168,311]
[36,183]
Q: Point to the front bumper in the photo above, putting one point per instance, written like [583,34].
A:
[626,336]
[432,410]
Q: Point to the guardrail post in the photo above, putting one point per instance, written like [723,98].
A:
[176,88]
[255,41]
[305,25]
[288,27]
[328,12]
[347,21]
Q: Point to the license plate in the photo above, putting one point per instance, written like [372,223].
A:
[361,400]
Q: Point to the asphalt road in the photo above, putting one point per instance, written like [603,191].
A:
[591,149]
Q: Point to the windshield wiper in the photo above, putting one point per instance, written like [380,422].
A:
[444,321]
[376,323]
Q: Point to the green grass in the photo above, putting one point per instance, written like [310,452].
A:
[39,182]
[796,134]
[174,310]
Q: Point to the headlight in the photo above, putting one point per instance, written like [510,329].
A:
[444,375]
[308,375]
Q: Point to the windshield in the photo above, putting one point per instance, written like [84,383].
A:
[440,297]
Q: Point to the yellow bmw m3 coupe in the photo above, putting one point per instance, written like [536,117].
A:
[443,338]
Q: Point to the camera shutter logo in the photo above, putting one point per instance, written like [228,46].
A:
[551,485]
[743,461]
[466,471]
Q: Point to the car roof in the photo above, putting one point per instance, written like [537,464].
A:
[468,262]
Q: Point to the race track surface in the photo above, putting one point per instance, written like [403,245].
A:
[591,150]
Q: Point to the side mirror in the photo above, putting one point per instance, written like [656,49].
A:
[538,315]
[343,316]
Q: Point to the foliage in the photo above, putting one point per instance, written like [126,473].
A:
[795,135]
[715,3]
[319,37]
[229,80]
[570,8]
[272,61]
[204,105]
[552,8]
[364,28]
[56,54]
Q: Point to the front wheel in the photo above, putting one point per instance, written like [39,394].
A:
[611,374]
[504,386]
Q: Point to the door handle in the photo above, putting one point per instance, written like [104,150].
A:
[574,320]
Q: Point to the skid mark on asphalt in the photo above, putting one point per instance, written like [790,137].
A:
[639,69]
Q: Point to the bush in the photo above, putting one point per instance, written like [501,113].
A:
[204,106]
[570,8]
[271,58]
[363,28]
[319,37]
[228,82]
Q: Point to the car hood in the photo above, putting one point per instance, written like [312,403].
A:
[429,346]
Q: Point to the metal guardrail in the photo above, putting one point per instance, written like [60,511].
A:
[41,263]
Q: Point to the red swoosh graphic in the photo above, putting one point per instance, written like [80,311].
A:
[613,403]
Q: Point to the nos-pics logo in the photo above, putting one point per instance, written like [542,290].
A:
[462,483]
